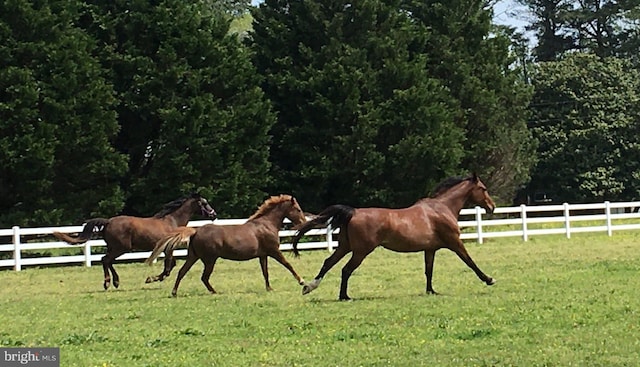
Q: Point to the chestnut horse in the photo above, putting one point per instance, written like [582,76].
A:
[124,233]
[258,237]
[428,225]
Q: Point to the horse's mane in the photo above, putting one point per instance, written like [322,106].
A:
[171,207]
[268,204]
[448,183]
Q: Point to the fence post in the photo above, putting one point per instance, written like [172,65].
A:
[607,212]
[16,249]
[87,254]
[523,215]
[329,238]
[567,225]
[479,223]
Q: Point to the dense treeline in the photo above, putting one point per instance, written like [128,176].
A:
[585,111]
[118,107]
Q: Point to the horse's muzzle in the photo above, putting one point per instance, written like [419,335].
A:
[210,213]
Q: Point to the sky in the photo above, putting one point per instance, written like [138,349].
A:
[506,12]
[509,12]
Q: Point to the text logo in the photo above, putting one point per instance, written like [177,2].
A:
[32,357]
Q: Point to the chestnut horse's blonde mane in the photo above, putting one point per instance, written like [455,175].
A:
[268,204]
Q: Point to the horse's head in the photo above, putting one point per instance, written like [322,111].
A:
[205,209]
[479,194]
[294,213]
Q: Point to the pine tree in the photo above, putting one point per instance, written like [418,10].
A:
[472,59]
[359,119]
[192,114]
[57,119]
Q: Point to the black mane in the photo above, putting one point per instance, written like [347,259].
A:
[171,207]
[447,184]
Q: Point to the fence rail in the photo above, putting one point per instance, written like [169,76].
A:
[23,246]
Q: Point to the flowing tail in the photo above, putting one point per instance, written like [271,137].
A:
[99,224]
[170,242]
[337,215]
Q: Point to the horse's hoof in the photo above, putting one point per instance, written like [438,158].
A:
[106,285]
[149,280]
[432,292]
[491,281]
[174,294]
[306,289]
[345,298]
[116,284]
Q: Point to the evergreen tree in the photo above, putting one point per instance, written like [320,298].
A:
[191,111]
[360,121]
[472,58]
[57,162]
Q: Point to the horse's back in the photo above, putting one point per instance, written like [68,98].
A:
[234,242]
[135,232]
[404,230]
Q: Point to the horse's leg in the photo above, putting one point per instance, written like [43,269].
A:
[169,264]
[107,266]
[281,259]
[265,272]
[429,256]
[206,274]
[462,253]
[347,270]
[329,263]
[191,259]
[114,274]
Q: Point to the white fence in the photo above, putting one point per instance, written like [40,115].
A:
[23,246]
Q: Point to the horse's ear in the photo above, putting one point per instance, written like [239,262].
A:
[474,177]
[196,195]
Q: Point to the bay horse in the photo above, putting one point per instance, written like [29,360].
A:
[428,225]
[125,233]
[258,237]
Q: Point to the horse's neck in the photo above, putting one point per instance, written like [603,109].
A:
[181,216]
[455,198]
[273,219]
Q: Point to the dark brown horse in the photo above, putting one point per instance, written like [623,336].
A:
[258,237]
[428,225]
[125,233]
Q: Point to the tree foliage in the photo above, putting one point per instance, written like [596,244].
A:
[587,119]
[390,97]
[472,58]
[57,119]
[359,119]
[191,112]
[117,107]
[603,27]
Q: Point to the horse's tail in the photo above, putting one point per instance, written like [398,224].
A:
[336,215]
[170,242]
[96,225]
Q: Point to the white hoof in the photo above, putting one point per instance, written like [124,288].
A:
[309,287]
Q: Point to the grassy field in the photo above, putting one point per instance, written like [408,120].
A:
[557,302]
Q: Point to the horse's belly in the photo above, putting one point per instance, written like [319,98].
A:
[239,253]
[238,256]
[405,247]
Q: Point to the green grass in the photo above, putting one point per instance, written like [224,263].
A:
[557,302]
